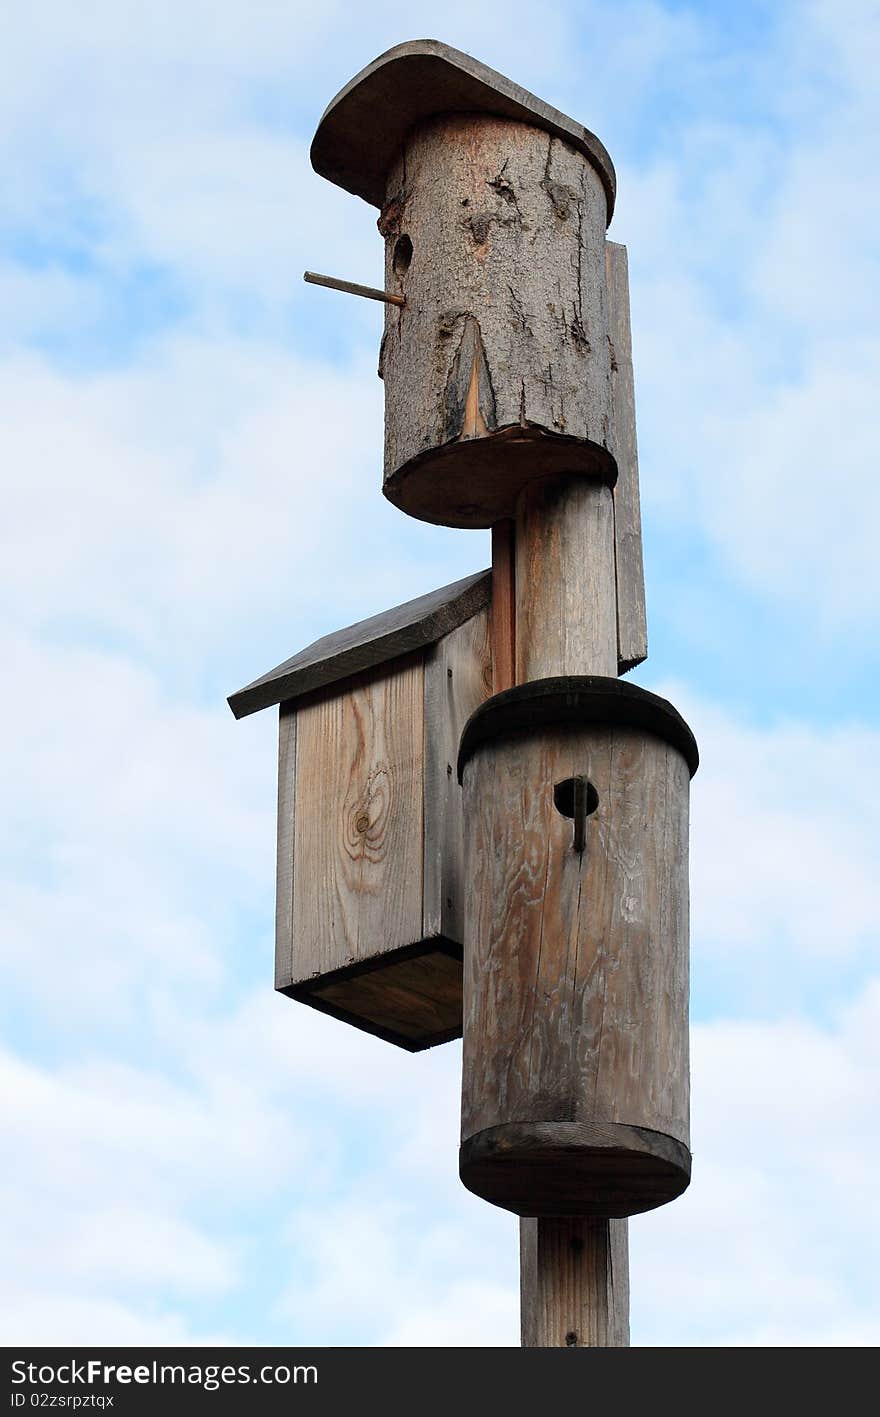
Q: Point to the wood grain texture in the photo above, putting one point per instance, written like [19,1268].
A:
[566,600]
[574,1283]
[364,127]
[503,606]
[368,644]
[358,821]
[458,672]
[284,844]
[369,920]
[632,626]
[576,965]
[498,368]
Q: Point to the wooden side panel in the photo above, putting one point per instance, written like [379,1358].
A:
[574,1283]
[576,965]
[358,822]
[566,611]
[284,838]
[632,628]
[458,673]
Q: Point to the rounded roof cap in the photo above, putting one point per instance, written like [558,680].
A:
[575,701]
[364,127]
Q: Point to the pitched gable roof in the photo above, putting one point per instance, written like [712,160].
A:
[367,644]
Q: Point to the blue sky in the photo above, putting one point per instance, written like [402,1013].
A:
[191,471]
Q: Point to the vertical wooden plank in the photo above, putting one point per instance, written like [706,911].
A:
[566,602]
[359,821]
[284,840]
[574,1283]
[503,606]
[638,1060]
[632,629]
[458,672]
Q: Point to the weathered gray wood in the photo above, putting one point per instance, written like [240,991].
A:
[503,606]
[364,127]
[458,677]
[358,822]
[369,920]
[566,602]
[576,971]
[632,627]
[367,644]
[284,839]
[574,1283]
[498,370]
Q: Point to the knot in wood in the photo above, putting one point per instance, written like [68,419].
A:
[368,817]
[391,215]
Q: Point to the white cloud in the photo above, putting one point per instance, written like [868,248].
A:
[113,1182]
[754,266]
[785,835]
[473,1315]
[75,1320]
[777,1239]
[120,805]
[140,501]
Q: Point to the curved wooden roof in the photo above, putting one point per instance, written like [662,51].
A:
[364,127]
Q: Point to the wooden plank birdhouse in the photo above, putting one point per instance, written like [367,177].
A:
[558,871]
[369,899]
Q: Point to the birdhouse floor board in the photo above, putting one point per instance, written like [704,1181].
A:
[411,998]
[601,1169]
[476,482]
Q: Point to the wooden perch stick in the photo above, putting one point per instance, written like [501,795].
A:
[351,288]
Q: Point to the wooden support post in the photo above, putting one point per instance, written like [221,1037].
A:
[566,601]
[574,1273]
[574,1283]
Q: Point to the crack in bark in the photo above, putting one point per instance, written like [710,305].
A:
[518,312]
[502,186]
[579,334]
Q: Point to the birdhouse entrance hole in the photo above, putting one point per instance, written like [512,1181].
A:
[403,254]
[576,798]
[565,793]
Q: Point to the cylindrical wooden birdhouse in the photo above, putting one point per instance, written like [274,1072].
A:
[575,1098]
[498,364]
[497,367]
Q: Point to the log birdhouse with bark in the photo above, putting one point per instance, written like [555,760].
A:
[370,873]
[557,870]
